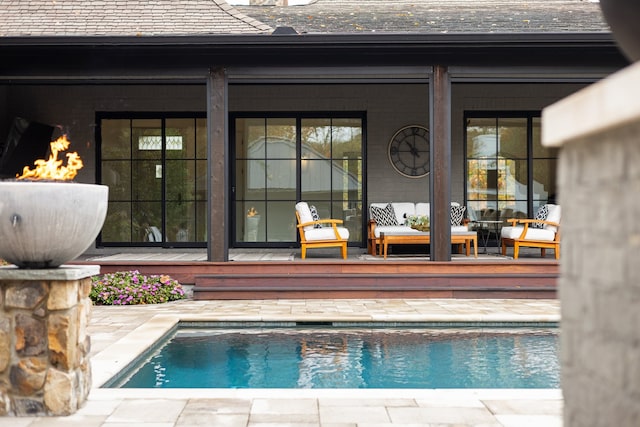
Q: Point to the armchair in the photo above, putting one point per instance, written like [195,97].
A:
[314,235]
[542,232]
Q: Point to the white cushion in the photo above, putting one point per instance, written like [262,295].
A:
[553,216]
[393,229]
[325,233]
[532,233]
[459,228]
[403,210]
[305,214]
[423,209]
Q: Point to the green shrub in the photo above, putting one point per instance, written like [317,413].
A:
[131,287]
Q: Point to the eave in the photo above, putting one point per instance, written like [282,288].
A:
[177,55]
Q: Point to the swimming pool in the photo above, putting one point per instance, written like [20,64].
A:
[348,357]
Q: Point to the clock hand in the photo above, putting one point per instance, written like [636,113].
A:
[413,150]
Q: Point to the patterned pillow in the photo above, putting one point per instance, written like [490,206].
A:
[384,216]
[543,212]
[457,214]
[315,216]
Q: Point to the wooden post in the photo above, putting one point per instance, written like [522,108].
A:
[440,181]
[218,166]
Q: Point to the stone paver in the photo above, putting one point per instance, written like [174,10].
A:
[115,331]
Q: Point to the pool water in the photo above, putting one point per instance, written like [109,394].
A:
[351,358]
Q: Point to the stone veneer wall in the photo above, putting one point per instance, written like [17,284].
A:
[599,174]
[44,346]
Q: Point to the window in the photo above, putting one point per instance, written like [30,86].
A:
[155,168]
[509,173]
[280,160]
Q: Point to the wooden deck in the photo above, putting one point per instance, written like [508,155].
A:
[353,278]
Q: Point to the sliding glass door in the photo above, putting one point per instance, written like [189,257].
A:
[509,173]
[155,168]
[280,160]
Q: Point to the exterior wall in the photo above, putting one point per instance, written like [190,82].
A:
[599,171]
[388,107]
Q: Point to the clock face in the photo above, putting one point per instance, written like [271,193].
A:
[409,151]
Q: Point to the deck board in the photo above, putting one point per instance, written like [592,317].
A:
[280,275]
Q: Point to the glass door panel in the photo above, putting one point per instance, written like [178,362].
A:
[154,180]
[281,224]
[146,180]
[180,179]
[118,223]
[118,133]
[281,179]
[282,160]
[146,218]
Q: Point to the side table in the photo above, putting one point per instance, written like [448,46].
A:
[491,227]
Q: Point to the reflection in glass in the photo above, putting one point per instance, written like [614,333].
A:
[281,179]
[118,225]
[281,138]
[502,180]
[118,133]
[482,138]
[512,138]
[147,222]
[116,175]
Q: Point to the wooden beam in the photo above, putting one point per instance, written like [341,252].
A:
[218,166]
[440,182]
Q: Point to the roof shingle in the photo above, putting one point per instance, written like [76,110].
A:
[124,18]
[435,16]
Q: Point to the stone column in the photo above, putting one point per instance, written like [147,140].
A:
[598,130]
[44,346]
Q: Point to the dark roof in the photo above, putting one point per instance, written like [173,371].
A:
[19,18]
[435,16]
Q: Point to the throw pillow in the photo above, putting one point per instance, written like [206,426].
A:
[457,215]
[384,216]
[315,216]
[543,212]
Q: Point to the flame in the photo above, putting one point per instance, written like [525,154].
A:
[52,168]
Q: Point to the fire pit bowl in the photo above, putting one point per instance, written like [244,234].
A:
[45,224]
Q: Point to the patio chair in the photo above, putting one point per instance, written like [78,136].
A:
[542,232]
[313,233]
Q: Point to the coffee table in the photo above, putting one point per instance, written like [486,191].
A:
[419,238]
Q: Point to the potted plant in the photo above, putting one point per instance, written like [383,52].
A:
[418,222]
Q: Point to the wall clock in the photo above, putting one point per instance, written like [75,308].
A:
[409,151]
